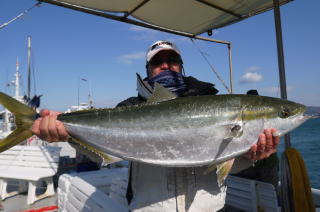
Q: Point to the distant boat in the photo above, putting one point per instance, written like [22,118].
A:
[8,124]
[8,121]
[81,106]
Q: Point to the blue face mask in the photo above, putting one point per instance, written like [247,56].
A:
[171,80]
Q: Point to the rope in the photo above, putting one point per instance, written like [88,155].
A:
[301,190]
[20,15]
[212,68]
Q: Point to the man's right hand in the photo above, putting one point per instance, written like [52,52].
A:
[48,128]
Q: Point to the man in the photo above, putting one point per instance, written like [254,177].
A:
[155,188]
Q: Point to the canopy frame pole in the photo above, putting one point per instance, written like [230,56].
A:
[142,24]
[281,65]
[285,177]
[230,68]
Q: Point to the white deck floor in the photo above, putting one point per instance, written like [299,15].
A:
[18,202]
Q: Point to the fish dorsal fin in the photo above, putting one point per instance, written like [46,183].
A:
[160,94]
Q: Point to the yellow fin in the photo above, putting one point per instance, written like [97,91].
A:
[24,117]
[14,138]
[15,106]
[210,168]
[223,169]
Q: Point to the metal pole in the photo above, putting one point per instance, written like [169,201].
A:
[90,97]
[285,195]
[282,74]
[230,68]
[29,66]
[79,92]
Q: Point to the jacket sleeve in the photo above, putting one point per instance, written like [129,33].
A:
[197,87]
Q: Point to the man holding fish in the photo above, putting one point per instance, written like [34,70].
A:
[178,186]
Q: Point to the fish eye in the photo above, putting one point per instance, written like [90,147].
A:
[285,113]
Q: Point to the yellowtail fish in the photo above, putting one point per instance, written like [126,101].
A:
[170,131]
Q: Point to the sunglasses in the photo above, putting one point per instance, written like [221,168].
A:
[173,60]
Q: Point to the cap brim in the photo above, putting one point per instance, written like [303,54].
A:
[159,50]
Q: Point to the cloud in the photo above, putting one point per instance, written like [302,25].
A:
[129,58]
[250,77]
[253,68]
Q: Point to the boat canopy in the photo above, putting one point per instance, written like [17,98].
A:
[192,17]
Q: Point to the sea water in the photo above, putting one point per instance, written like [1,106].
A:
[306,139]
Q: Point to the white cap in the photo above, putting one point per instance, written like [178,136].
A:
[160,46]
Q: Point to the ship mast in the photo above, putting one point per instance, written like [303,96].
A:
[16,82]
[29,66]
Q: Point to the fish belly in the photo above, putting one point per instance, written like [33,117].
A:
[169,146]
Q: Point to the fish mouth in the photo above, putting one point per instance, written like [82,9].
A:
[305,117]
[312,116]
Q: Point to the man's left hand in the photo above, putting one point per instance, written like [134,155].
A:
[267,144]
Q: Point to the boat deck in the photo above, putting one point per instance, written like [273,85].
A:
[19,202]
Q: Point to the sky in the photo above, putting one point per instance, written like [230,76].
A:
[68,46]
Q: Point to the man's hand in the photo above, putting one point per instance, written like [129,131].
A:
[267,144]
[48,128]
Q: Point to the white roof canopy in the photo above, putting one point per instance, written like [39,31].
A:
[192,17]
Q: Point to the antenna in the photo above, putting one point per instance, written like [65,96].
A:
[16,83]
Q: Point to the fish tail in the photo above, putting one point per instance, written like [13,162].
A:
[24,118]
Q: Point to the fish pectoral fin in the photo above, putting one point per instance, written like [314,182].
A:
[160,94]
[210,168]
[223,169]
[236,130]
[233,131]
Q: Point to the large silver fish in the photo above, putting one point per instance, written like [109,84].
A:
[169,131]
